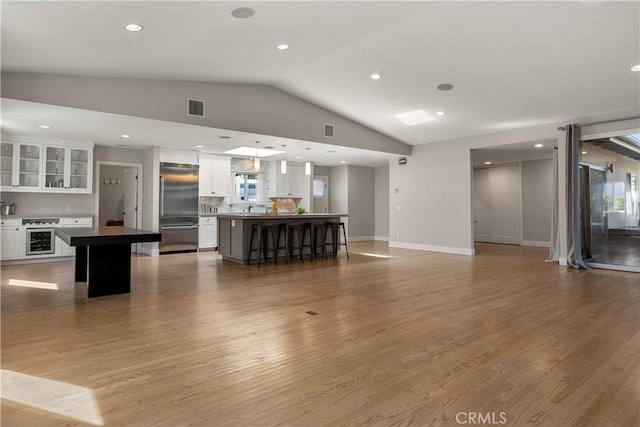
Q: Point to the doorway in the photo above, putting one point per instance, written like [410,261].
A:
[320,194]
[118,194]
[496,204]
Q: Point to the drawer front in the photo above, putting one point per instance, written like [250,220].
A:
[75,222]
[10,222]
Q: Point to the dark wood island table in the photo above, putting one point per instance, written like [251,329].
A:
[103,256]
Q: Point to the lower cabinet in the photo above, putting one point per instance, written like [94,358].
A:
[62,249]
[12,239]
[208,232]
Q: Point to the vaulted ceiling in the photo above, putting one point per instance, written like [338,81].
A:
[511,64]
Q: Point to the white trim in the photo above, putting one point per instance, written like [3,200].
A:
[613,267]
[432,248]
[150,250]
[381,238]
[608,134]
[96,187]
[361,238]
[536,243]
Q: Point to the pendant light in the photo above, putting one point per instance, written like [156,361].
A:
[283,163]
[256,159]
[307,165]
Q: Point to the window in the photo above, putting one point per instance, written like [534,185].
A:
[246,187]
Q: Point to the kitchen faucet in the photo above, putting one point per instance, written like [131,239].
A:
[249,208]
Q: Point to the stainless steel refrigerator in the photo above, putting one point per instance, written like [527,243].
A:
[178,207]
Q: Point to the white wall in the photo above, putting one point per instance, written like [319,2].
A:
[338,190]
[537,183]
[432,207]
[50,204]
[381,203]
[361,204]
[249,108]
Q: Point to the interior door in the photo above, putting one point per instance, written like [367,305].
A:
[320,194]
[496,204]
[131,197]
[481,194]
[504,182]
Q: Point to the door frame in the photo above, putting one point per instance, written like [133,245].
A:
[139,166]
[325,179]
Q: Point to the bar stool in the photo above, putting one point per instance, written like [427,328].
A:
[333,226]
[306,237]
[317,230]
[281,231]
[294,240]
[260,236]
[344,234]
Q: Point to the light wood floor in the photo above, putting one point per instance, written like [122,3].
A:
[400,338]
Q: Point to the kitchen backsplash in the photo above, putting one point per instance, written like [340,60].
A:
[43,203]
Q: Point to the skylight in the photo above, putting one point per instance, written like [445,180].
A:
[415,117]
[253,152]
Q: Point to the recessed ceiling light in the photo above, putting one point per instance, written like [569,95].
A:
[298,157]
[343,161]
[331,151]
[124,135]
[584,152]
[635,68]
[134,28]
[487,163]
[415,117]
[439,113]
[445,86]
[376,76]
[539,145]
[283,46]
[44,127]
[199,146]
[243,12]
[225,137]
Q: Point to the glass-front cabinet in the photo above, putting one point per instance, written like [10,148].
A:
[20,166]
[45,168]
[6,164]
[67,168]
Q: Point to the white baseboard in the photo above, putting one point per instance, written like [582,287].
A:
[433,248]
[536,243]
[146,250]
[381,238]
[361,238]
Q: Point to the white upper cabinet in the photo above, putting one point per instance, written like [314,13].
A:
[28,167]
[21,166]
[214,176]
[68,169]
[288,184]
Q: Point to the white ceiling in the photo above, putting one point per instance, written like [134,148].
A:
[513,64]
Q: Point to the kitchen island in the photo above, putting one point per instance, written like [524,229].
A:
[103,256]
[234,230]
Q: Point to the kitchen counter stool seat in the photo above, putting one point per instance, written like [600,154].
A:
[259,242]
[294,240]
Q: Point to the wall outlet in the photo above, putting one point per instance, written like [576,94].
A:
[398,208]
[397,234]
[67,208]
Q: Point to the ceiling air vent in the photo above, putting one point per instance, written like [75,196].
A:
[328,130]
[196,107]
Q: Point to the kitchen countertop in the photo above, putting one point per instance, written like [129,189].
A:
[40,215]
[284,215]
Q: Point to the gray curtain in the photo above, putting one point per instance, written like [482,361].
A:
[554,250]
[574,197]
[630,211]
